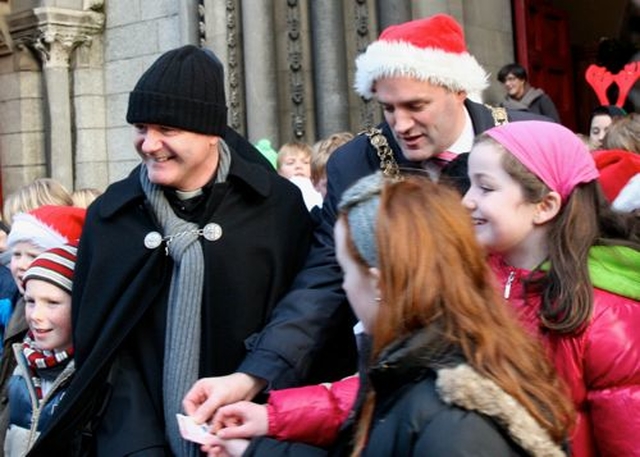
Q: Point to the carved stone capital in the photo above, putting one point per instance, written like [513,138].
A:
[55,32]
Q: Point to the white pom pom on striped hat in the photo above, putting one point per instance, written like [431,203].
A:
[54,266]
[430,49]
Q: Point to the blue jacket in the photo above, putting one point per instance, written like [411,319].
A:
[28,415]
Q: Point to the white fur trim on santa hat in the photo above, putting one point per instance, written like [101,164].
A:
[628,198]
[26,227]
[455,71]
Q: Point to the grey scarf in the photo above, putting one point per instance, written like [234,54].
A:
[182,334]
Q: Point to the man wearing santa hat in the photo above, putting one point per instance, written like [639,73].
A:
[428,86]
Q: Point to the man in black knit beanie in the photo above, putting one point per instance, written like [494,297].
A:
[179,265]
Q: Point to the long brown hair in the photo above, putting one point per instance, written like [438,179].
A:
[433,272]
[585,219]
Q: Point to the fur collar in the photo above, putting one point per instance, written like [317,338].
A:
[464,387]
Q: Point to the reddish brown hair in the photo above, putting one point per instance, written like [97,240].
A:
[433,272]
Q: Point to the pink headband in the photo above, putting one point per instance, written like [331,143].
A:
[550,151]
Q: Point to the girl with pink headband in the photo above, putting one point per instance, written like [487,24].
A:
[569,265]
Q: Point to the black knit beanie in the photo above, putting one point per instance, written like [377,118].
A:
[184,88]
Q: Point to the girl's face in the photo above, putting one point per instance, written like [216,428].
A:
[22,255]
[295,164]
[360,284]
[48,313]
[504,221]
[599,126]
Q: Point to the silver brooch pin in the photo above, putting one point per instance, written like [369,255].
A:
[210,232]
[152,240]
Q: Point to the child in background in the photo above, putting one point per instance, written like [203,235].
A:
[294,164]
[82,198]
[31,234]
[8,288]
[438,378]
[624,134]
[601,119]
[4,234]
[321,152]
[568,264]
[42,191]
[44,358]
[294,159]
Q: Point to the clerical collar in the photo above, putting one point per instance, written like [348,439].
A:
[465,140]
[186,195]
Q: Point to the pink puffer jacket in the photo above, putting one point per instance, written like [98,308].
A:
[601,366]
[311,414]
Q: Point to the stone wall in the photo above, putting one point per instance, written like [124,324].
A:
[289,71]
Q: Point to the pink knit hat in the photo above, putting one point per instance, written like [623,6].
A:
[550,151]
[48,226]
[429,49]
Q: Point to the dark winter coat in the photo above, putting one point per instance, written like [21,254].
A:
[316,312]
[28,414]
[535,101]
[14,333]
[430,403]
[120,299]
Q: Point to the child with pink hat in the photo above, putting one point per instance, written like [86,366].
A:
[568,264]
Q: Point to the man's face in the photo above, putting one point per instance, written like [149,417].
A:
[514,86]
[176,158]
[426,119]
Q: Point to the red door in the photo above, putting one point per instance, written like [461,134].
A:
[543,49]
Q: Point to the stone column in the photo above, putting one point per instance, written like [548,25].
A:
[260,83]
[54,52]
[222,36]
[188,15]
[330,62]
[395,12]
[54,33]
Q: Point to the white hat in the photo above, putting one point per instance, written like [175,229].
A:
[430,49]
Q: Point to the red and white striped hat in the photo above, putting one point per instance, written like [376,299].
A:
[54,266]
[430,49]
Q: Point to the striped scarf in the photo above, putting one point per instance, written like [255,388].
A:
[40,359]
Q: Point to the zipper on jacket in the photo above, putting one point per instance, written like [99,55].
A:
[507,285]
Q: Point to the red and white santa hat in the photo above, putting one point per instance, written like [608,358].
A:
[430,49]
[48,226]
[620,178]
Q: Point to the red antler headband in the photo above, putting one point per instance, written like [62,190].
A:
[599,78]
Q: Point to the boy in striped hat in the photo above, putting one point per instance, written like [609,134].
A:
[44,358]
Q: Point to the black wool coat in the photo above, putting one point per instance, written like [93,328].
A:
[120,293]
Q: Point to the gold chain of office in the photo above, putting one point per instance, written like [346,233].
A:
[388,163]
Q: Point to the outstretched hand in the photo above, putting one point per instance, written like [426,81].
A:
[244,419]
[208,394]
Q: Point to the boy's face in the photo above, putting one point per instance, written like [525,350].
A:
[295,165]
[22,254]
[48,314]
